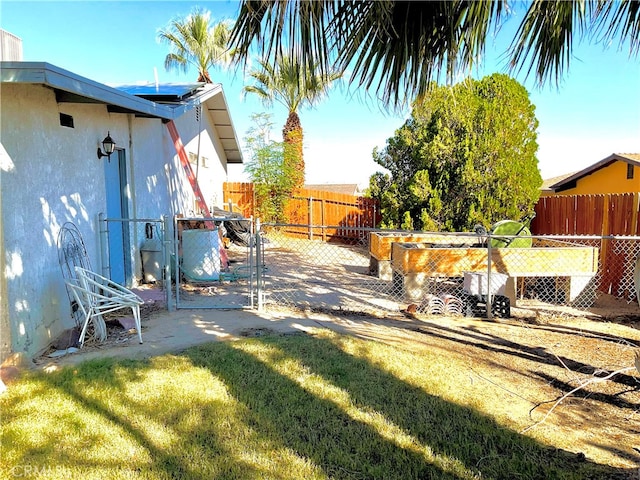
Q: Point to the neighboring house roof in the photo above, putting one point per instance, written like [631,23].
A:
[549,182]
[632,158]
[346,188]
[72,88]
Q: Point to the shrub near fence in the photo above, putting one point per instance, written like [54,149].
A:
[314,213]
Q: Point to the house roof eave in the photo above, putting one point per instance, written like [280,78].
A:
[215,102]
[70,87]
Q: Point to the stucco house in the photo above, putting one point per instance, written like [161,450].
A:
[617,173]
[52,125]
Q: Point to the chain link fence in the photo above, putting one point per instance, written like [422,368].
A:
[134,251]
[446,273]
[223,263]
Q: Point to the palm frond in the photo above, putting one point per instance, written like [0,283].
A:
[173,60]
[280,28]
[619,20]
[395,47]
[398,48]
[545,37]
[287,82]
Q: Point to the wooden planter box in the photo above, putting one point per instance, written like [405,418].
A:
[419,262]
[380,247]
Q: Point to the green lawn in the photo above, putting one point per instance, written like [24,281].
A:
[281,407]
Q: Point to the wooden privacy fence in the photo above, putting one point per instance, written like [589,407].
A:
[611,214]
[602,215]
[241,197]
[314,213]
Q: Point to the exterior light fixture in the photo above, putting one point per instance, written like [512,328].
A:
[109,145]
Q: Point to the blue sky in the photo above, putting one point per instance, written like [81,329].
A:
[593,112]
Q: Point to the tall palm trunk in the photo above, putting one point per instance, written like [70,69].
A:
[294,160]
[204,77]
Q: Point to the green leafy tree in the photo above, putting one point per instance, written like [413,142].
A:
[467,155]
[287,83]
[194,42]
[398,47]
[271,175]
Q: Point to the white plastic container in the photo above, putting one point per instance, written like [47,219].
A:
[151,252]
[201,255]
[476,283]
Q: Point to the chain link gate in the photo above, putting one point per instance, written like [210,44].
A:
[144,258]
[216,263]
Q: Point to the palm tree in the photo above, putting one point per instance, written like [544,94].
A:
[399,47]
[286,82]
[195,43]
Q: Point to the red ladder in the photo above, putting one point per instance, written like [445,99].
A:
[202,204]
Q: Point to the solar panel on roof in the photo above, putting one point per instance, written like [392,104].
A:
[166,91]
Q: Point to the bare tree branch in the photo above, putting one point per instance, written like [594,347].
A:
[580,387]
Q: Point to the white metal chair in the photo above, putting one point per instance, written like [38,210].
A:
[97,295]
[71,253]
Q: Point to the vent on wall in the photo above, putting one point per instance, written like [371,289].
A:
[66,120]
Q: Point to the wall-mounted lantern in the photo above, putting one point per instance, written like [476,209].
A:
[109,145]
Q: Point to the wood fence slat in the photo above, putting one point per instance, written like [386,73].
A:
[340,211]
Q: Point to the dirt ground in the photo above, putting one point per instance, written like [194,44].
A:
[528,364]
[525,364]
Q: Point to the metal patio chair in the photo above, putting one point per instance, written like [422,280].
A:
[71,253]
[96,296]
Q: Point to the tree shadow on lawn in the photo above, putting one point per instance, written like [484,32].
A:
[441,439]
[137,451]
[585,333]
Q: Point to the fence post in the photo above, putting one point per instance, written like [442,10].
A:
[322,220]
[253,199]
[310,217]
[634,213]
[375,214]
[103,233]
[253,262]
[166,253]
[489,299]
[176,265]
[605,231]
[260,290]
